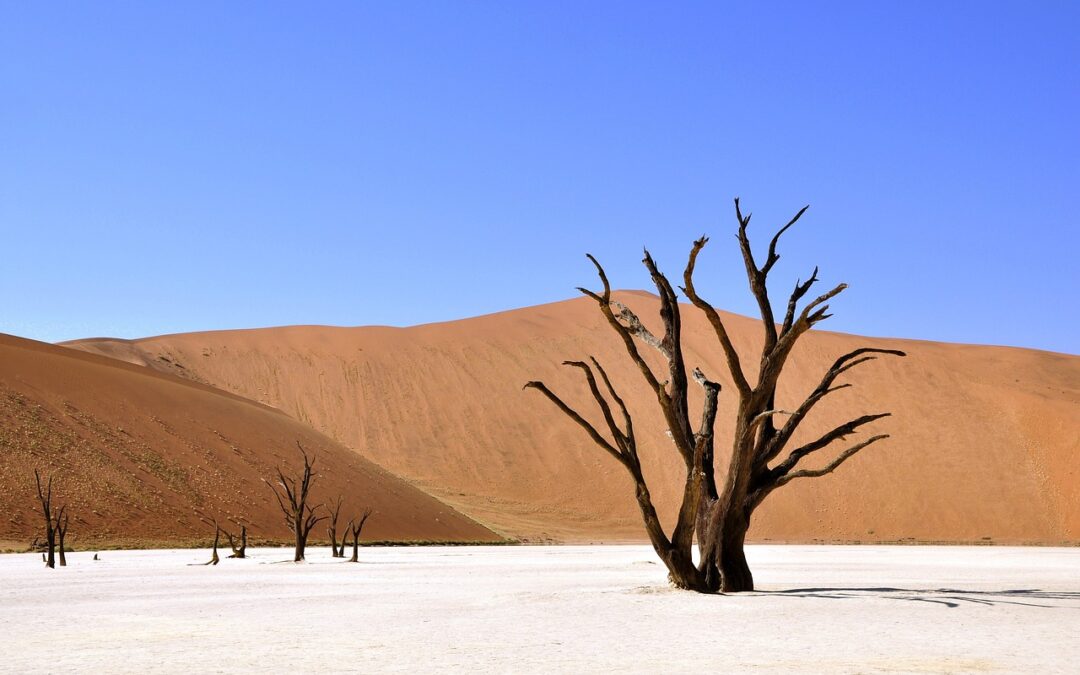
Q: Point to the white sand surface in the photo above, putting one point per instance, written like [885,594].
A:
[544,609]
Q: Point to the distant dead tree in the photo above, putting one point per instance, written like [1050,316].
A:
[61,527]
[354,527]
[238,545]
[214,559]
[292,497]
[718,516]
[331,531]
[52,520]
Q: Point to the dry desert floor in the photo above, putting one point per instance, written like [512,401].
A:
[543,609]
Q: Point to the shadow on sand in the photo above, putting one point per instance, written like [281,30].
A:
[949,597]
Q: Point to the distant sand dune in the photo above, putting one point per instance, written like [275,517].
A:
[984,447]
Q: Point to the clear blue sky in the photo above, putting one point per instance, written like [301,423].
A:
[172,167]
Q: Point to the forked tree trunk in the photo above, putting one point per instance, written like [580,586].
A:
[355,527]
[241,550]
[45,498]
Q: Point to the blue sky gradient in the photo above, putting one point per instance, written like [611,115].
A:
[170,167]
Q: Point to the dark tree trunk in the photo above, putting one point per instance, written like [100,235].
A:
[241,550]
[331,531]
[355,528]
[61,532]
[50,556]
[355,549]
[214,559]
[734,570]
[301,543]
[45,497]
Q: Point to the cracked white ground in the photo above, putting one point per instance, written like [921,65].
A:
[543,609]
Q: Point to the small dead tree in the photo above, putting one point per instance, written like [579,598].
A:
[61,528]
[354,528]
[214,559]
[292,496]
[717,514]
[45,499]
[331,531]
[238,546]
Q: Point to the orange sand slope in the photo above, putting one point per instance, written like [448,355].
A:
[139,455]
[984,444]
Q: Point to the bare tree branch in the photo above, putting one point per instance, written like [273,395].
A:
[844,363]
[837,433]
[730,353]
[801,288]
[773,255]
[813,473]
[631,442]
[604,300]
[638,329]
[582,422]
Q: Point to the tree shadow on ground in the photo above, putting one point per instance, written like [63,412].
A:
[948,597]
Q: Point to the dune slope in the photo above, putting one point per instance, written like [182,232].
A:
[984,439]
[141,457]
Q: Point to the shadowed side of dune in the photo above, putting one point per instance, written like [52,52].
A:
[142,458]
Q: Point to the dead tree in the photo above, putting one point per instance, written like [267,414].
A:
[61,528]
[718,514]
[45,498]
[331,531]
[354,528]
[292,497]
[214,559]
[238,551]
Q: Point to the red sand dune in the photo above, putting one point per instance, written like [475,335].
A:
[984,439]
[139,455]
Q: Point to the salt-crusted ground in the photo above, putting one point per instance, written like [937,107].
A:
[544,609]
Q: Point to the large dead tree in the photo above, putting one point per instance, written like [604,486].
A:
[292,496]
[355,527]
[716,514]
